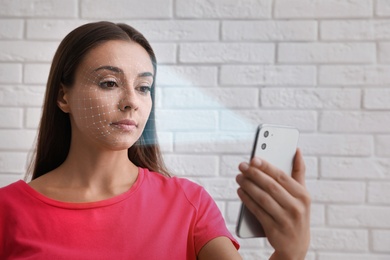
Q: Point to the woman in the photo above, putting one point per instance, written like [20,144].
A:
[99,187]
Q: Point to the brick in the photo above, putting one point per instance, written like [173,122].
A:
[320,98]
[224,9]
[317,215]
[184,120]
[381,241]
[36,73]
[187,76]
[336,191]
[11,29]
[355,122]
[248,120]
[376,98]
[382,145]
[269,30]
[350,256]
[165,52]
[50,29]
[224,142]
[22,51]
[174,30]
[221,98]
[354,30]
[382,8]
[354,75]
[384,52]
[6,179]
[229,164]
[33,117]
[10,73]
[165,141]
[268,75]
[379,193]
[323,8]
[192,165]
[336,144]
[13,162]
[11,117]
[39,8]
[226,52]
[327,53]
[355,168]
[331,239]
[21,95]
[13,140]
[123,9]
[359,216]
[220,188]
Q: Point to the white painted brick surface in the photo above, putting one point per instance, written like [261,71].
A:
[268,75]
[310,98]
[355,168]
[226,53]
[11,117]
[327,53]
[225,66]
[11,73]
[269,30]
[178,30]
[382,8]
[382,145]
[123,9]
[224,9]
[323,8]
[11,29]
[39,8]
[377,98]
[381,240]
[359,216]
[363,30]
[359,122]
[379,193]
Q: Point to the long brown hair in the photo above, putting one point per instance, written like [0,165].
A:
[54,134]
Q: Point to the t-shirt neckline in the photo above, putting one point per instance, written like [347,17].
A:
[84,205]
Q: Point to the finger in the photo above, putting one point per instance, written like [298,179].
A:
[299,168]
[285,180]
[266,192]
[262,216]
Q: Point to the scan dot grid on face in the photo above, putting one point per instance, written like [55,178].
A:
[108,90]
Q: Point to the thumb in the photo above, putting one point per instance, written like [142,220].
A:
[299,168]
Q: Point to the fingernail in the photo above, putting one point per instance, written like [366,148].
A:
[243,166]
[256,161]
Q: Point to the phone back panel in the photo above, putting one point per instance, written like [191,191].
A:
[277,145]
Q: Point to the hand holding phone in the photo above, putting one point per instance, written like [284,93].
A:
[277,145]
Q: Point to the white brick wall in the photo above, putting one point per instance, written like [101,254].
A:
[225,66]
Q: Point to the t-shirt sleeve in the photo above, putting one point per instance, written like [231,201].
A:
[209,223]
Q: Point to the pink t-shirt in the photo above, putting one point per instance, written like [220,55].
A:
[158,218]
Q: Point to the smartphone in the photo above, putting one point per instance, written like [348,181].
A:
[276,144]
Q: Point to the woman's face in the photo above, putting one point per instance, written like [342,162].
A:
[110,101]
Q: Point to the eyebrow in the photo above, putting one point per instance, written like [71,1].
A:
[119,70]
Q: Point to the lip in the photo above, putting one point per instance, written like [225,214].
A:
[125,124]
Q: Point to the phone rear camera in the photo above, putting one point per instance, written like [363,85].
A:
[263,146]
[266,133]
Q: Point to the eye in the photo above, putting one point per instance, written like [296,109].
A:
[144,89]
[107,84]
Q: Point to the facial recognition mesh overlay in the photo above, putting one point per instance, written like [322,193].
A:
[110,100]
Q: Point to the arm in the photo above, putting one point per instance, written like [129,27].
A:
[280,202]
[220,248]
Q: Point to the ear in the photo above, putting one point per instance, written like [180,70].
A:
[62,99]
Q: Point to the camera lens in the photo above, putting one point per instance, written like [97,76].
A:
[266,133]
[263,146]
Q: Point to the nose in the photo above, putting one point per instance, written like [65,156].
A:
[128,101]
